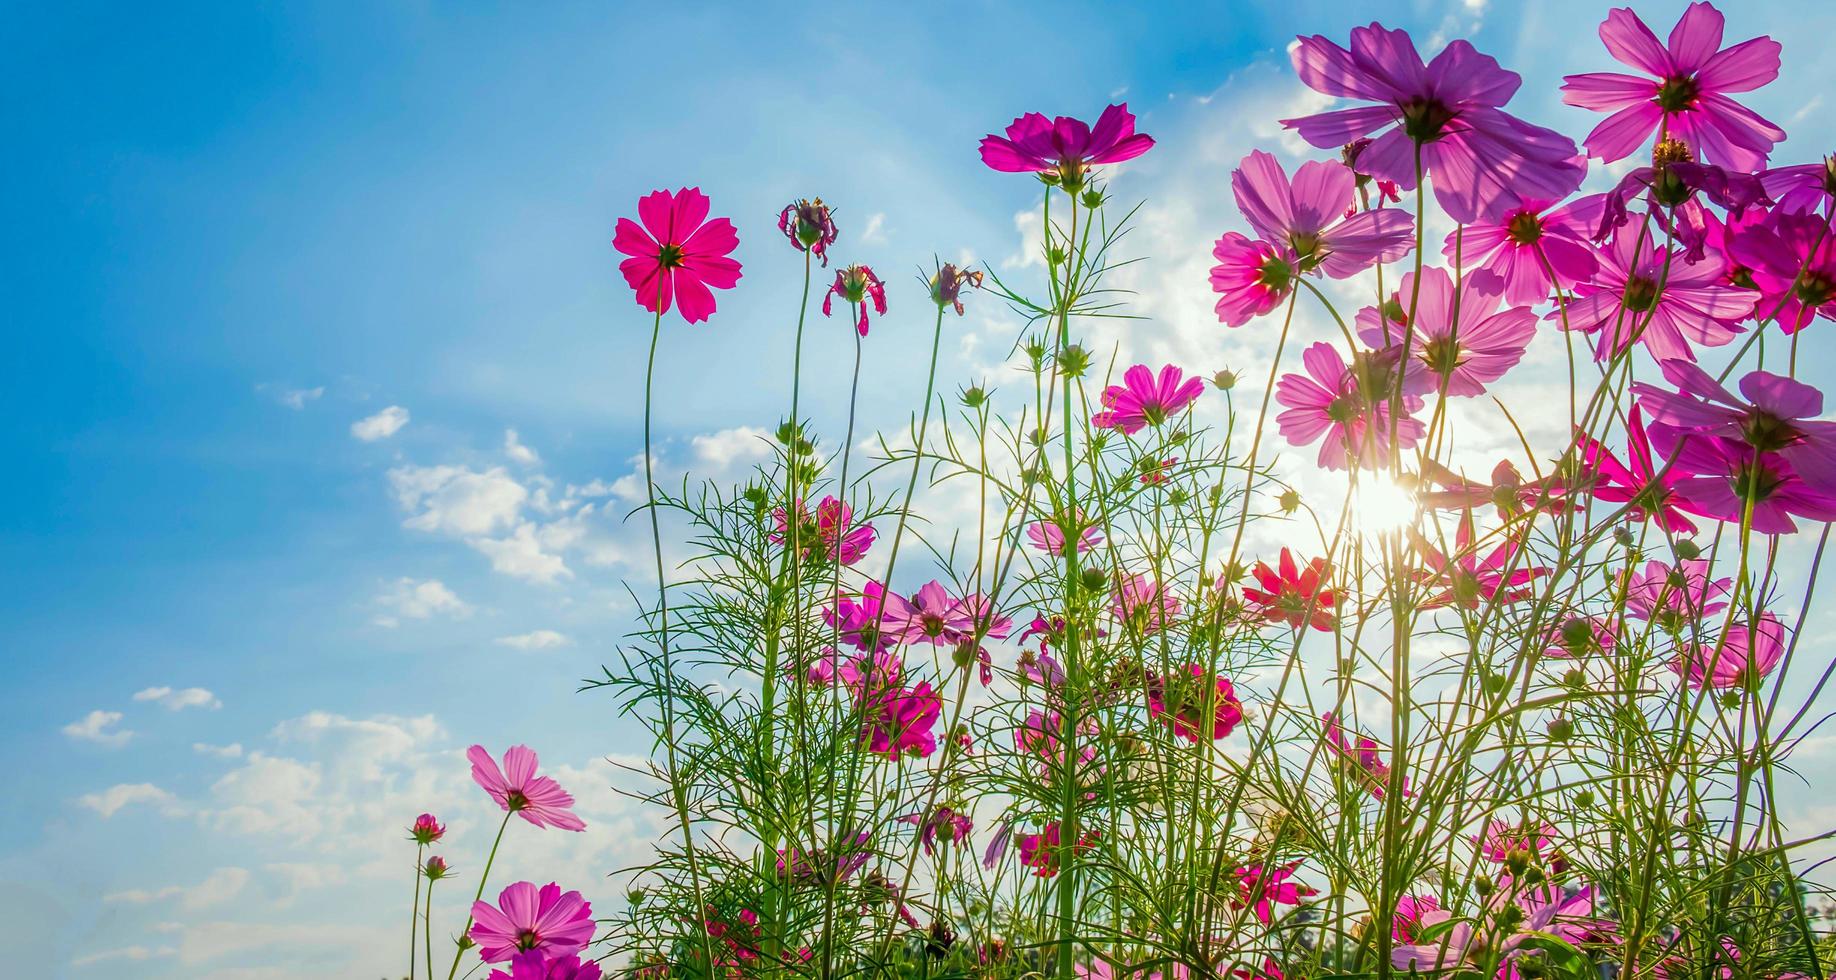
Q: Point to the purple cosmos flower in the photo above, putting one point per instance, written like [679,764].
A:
[1726,480]
[810,226]
[1779,415]
[833,531]
[1793,262]
[524,919]
[1803,187]
[943,822]
[1142,399]
[1533,246]
[1065,146]
[1251,277]
[1672,186]
[1641,481]
[899,721]
[538,799]
[1308,215]
[533,965]
[1542,909]
[1333,401]
[1483,159]
[859,285]
[1747,652]
[1687,95]
[1144,603]
[1675,596]
[1645,293]
[1465,579]
[1461,340]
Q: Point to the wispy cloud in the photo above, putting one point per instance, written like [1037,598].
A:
[534,640]
[99,727]
[180,698]
[382,425]
[408,598]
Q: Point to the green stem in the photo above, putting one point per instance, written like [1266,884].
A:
[414,909]
[476,896]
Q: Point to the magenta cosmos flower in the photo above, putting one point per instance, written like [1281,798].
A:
[1687,93]
[1533,246]
[862,621]
[1144,603]
[1294,595]
[833,530]
[1543,909]
[1650,488]
[1262,888]
[1461,340]
[677,254]
[1143,399]
[1465,579]
[1792,258]
[1778,415]
[1363,761]
[810,226]
[533,965]
[1483,159]
[1313,216]
[932,615]
[1252,277]
[1748,651]
[943,823]
[546,921]
[1065,146]
[1803,187]
[899,721]
[1728,480]
[1180,702]
[538,799]
[1352,413]
[1645,293]
[857,284]
[1674,598]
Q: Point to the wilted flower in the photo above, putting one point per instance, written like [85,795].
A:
[810,226]
[857,284]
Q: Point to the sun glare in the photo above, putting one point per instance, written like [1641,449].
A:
[1380,506]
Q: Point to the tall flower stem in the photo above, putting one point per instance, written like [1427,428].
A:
[426,935]
[414,910]
[678,792]
[1068,829]
[476,896]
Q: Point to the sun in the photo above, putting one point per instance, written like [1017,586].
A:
[1380,505]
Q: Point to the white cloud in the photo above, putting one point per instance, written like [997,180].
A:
[131,954]
[458,500]
[523,555]
[514,448]
[875,231]
[99,727]
[534,640]
[382,425]
[728,446]
[178,699]
[222,885]
[230,751]
[114,799]
[418,599]
[294,398]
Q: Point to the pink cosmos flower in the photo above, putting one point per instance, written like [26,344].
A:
[1645,293]
[1675,596]
[817,868]
[1264,888]
[537,799]
[1687,95]
[1580,637]
[1065,146]
[1502,838]
[1465,579]
[1292,595]
[1641,481]
[1748,651]
[1483,160]
[1180,703]
[1050,536]
[1779,414]
[862,621]
[1509,492]
[525,919]
[1461,340]
[426,830]
[1533,246]
[1041,851]
[833,530]
[435,868]
[1728,480]
[1352,413]
[1308,216]
[677,253]
[857,284]
[1793,262]
[943,822]
[932,615]
[1142,399]
[810,226]
[900,721]
[1144,604]
[533,965]
[1363,762]
[1544,909]
[1251,278]
[1804,187]
[1407,924]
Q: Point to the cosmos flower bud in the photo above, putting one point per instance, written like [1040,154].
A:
[1092,199]
[1688,550]
[1074,361]
[973,396]
[1561,729]
[426,830]
[1094,580]
[1584,799]
[1290,501]
[435,868]
[1224,380]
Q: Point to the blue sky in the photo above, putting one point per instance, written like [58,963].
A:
[234,231]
